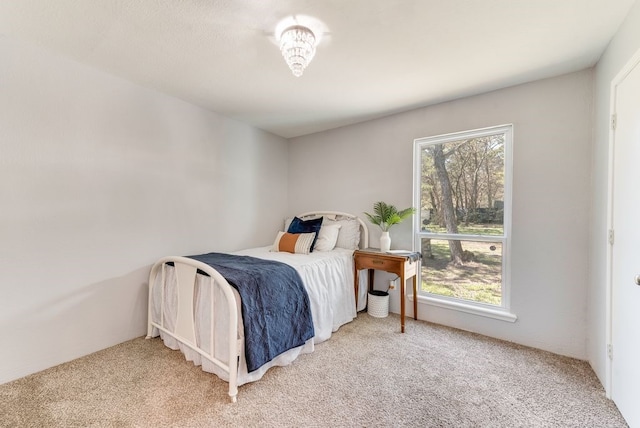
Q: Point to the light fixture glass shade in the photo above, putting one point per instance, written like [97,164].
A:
[298,46]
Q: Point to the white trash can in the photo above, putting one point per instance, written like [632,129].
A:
[378,304]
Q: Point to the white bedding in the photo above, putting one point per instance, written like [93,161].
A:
[328,279]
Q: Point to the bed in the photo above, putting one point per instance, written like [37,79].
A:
[195,309]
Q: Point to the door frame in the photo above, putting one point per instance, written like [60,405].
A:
[617,80]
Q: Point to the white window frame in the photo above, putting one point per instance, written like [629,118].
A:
[502,312]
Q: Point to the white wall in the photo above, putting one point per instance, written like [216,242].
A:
[100,177]
[623,46]
[350,168]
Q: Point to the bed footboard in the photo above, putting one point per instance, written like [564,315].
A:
[186,271]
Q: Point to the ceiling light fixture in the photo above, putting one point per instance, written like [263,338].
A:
[298,46]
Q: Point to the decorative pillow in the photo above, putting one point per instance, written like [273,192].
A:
[297,243]
[327,237]
[288,220]
[306,226]
[349,236]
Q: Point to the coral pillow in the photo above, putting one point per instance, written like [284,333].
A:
[297,243]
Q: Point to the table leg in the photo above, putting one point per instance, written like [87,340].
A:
[356,283]
[402,298]
[415,297]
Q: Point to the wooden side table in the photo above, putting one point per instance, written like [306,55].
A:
[400,264]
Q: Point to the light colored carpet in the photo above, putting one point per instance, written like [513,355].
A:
[366,375]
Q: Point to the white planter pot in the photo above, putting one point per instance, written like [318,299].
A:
[385,242]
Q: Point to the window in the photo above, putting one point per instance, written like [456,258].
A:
[462,194]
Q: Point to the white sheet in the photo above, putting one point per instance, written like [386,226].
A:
[328,279]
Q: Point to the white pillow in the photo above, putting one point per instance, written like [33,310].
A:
[327,237]
[349,236]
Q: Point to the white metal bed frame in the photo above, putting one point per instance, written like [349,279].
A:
[186,270]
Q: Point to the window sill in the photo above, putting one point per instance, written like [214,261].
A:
[497,313]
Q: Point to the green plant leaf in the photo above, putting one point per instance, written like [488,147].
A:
[387,215]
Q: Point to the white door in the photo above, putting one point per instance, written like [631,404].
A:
[625,267]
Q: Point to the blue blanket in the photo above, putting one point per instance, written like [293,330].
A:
[275,305]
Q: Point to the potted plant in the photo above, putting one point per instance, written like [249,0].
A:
[385,216]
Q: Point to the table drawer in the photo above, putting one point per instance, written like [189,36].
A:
[377,263]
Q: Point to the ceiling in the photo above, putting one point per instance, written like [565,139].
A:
[376,57]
